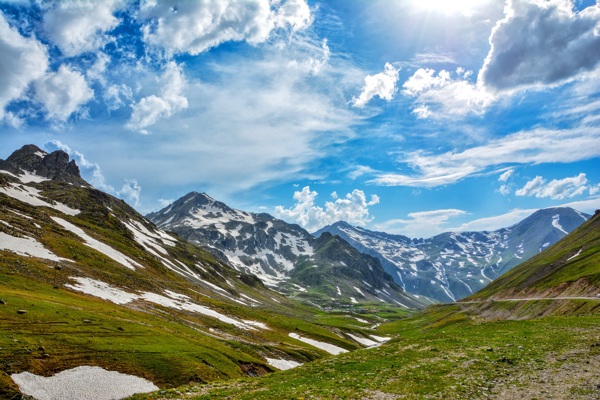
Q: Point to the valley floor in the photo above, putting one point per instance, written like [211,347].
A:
[448,352]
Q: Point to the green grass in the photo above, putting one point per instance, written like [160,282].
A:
[442,353]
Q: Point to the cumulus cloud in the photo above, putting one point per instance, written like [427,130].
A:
[80,26]
[540,43]
[195,26]
[62,93]
[527,147]
[422,223]
[556,188]
[445,94]
[353,208]
[505,189]
[22,61]
[153,108]
[130,192]
[382,85]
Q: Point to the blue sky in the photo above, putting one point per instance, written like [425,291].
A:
[408,116]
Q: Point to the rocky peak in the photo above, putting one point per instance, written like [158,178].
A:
[55,166]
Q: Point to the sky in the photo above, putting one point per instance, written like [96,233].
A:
[412,117]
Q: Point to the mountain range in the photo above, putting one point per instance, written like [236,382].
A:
[450,266]
[324,271]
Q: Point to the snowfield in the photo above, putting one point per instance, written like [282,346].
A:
[89,383]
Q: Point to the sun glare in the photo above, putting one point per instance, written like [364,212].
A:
[465,7]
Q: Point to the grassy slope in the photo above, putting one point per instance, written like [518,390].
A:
[442,353]
[554,272]
[63,329]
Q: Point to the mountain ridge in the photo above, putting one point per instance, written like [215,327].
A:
[273,249]
[452,265]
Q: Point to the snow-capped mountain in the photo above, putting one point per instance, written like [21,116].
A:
[284,256]
[450,266]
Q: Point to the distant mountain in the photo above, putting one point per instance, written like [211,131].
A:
[85,280]
[450,266]
[324,271]
[569,268]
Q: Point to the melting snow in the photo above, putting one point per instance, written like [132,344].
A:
[353,300]
[32,197]
[27,246]
[557,225]
[97,245]
[90,383]
[363,341]
[359,291]
[576,255]
[174,300]
[331,349]
[282,364]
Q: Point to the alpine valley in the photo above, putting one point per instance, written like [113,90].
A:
[90,286]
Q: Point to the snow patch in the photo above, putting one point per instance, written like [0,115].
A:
[32,197]
[557,225]
[282,364]
[174,300]
[576,255]
[90,383]
[364,341]
[331,349]
[27,246]
[97,245]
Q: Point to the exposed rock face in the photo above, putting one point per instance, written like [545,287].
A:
[451,266]
[284,256]
[55,166]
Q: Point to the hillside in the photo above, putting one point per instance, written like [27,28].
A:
[570,268]
[326,272]
[451,266]
[489,346]
[87,281]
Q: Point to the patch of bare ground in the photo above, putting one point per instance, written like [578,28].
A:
[377,395]
[571,376]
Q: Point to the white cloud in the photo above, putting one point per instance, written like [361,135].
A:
[421,224]
[130,192]
[504,177]
[80,26]
[442,95]
[116,96]
[353,208]
[541,43]
[496,222]
[22,61]
[153,108]
[556,188]
[527,147]
[195,26]
[62,93]
[264,120]
[382,85]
